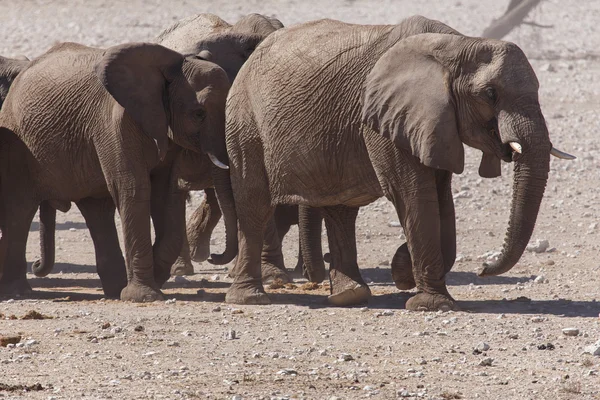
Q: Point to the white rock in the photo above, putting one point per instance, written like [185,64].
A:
[538,246]
[31,342]
[483,346]
[230,335]
[287,371]
[236,397]
[215,278]
[570,331]
[394,224]
[540,279]
[593,349]
[170,301]
[463,194]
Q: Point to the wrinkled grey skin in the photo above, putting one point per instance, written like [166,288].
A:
[395,104]
[117,117]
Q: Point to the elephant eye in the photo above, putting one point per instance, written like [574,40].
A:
[490,92]
[200,114]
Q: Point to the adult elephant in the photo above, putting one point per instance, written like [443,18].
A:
[81,123]
[208,37]
[336,115]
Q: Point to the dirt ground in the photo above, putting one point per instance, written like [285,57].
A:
[193,346]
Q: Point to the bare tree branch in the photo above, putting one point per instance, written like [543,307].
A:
[515,14]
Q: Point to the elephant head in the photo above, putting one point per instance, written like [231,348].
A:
[432,92]
[148,81]
[213,39]
[9,69]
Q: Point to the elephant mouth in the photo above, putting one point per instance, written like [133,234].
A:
[502,150]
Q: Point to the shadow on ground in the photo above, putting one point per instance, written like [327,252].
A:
[62,226]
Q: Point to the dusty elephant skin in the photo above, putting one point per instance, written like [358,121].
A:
[406,97]
[111,115]
[208,37]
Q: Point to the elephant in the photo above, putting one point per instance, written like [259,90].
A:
[105,127]
[337,115]
[210,38]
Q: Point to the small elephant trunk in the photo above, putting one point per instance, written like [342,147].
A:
[45,264]
[530,177]
[222,183]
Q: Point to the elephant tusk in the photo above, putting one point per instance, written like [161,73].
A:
[516,147]
[216,161]
[561,154]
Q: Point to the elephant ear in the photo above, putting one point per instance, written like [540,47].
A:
[407,99]
[137,75]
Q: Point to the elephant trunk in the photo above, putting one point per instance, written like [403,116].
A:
[222,183]
[310,223]
[528,128]
[44,265]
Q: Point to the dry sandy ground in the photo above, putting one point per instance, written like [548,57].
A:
[299,347]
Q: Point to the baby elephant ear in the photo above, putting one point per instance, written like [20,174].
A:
[407,99]
[137,75]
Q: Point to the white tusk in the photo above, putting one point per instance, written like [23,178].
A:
[516,147]
[561,154]
[216,161]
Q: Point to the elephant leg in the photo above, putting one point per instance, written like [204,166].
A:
[272,265]
[168,217]
[347,285]
[183,265]
[419,210]
[402,268]
[19,213]
[99,215]
[254,213]
[44,265]
[310,225]
[201,225]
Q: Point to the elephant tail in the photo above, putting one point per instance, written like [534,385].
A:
[44,265]
[310,222]
[222,182]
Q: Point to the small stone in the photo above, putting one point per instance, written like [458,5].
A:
[287,371]
[230,335]
[538,319]
[368,388]
[139,328]
[486,362]
[236,397]
[394,224]
[216,309]
[173,344]
[593,349]
[483,346]
[539,279]
[105,325]
[181,279]
[215,278]
[170,301]
[115,382]
[464,194]
[538,246]
[346,357]
[386,313]
[237,311]
[31,342]
[570,331]
[513,336]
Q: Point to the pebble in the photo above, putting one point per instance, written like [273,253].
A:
[593,349]
[570,331]
[538,246]
[540,279]
[394,224]
[230,335]
[181,279]
[538,319]
[31,342]
[486,362]
[216,309]
[483,346]
[170,301]
[236,397]
[215,278]
[287,371]
[346,357]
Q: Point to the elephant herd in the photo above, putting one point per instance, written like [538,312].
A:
[279,126]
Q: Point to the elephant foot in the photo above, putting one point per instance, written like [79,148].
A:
[247,293]
[402,272]
[140,293]
[17,287]
[431,302]
[201,252]
[346,291]
[270,272]
[182,267]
